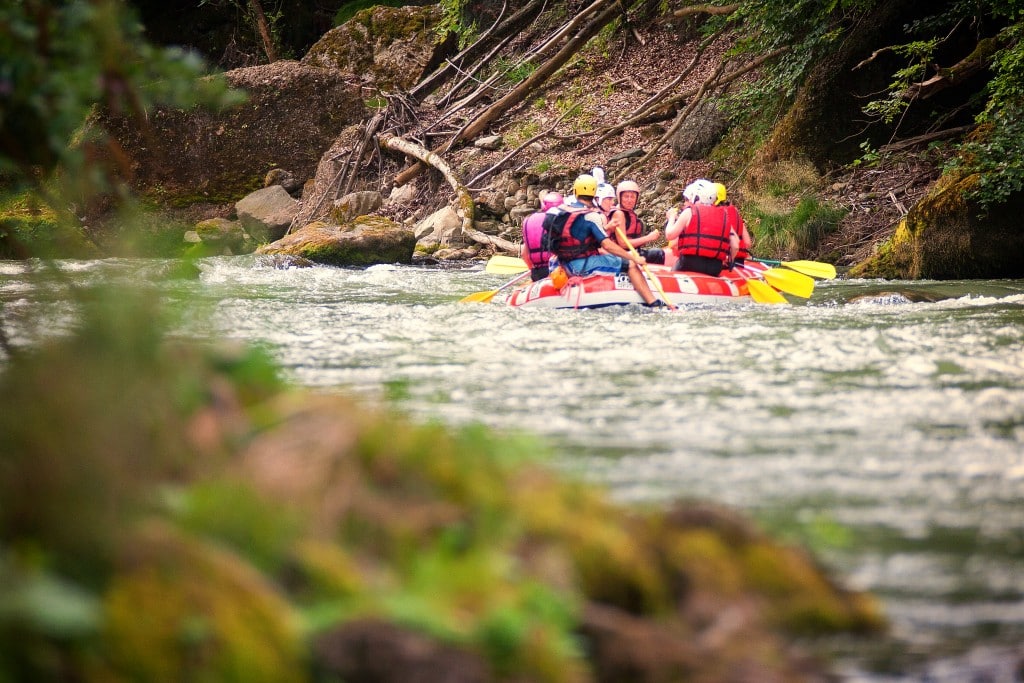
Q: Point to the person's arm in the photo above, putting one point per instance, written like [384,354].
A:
[617,220]
[672,233]
[646,239]
[524,254]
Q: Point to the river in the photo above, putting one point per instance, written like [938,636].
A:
[879,423]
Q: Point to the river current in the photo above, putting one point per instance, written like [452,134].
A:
[879,423]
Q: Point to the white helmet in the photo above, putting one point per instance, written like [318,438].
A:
[628,186]
[701,191]
[604,190]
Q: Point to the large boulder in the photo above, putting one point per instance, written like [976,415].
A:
[384,47]
[948,236]
[294,112]
[366,241]
[267,214]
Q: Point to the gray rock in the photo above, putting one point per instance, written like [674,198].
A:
[266,214]
[286,179]
[490,142]
[443,227]
[366,241]
[220,232]
[628,154]
[356,204]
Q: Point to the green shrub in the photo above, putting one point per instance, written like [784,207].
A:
[778,232]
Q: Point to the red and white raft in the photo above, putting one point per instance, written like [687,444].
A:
[606,289]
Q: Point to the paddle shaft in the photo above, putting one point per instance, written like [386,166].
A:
[647,272]
[518,278]
[817,269]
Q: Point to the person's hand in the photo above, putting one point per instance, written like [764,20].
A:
[672,213]
[639,260]
[656,233]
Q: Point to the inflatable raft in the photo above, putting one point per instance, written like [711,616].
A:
[607,289]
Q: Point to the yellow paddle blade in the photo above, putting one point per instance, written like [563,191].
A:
[790,282]
[825,271]
[762,293]
[484,297]
[478,297]
[505,265]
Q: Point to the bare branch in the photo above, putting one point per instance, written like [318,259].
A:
[901,145]
[483,174]
[609,9]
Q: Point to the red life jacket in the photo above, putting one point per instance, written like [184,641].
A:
[569,247]
[634,226]
[736,223]
[533,234]
[707,233]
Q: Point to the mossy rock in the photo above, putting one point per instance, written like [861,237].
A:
[184,610]
[366,241]
[948,236]
[391,47]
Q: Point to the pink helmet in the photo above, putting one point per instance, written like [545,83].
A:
[549,200]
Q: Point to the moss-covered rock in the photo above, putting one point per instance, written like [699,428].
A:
[366,241]
[948,236]
[385,47]
[186,610]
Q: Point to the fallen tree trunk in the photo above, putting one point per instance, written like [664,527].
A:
[466,206]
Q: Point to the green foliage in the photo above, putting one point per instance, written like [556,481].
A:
[523,132]
[28,226]
[350,9]
[58,60]
[780,233]
[456,20]
[997,151]
[808,28]
[870,157]
[239,517]
[514,72]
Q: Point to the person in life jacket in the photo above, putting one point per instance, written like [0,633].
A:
[623,216]
[533,251]
[746,239]
[605,200]
[583,237]
[705,242]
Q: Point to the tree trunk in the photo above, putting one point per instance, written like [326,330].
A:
[264,29]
